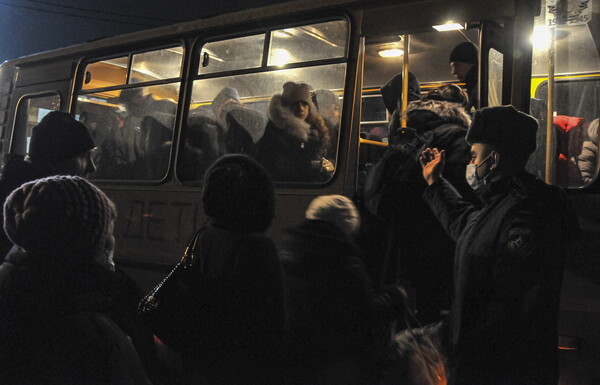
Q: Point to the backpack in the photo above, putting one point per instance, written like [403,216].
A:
[395,177]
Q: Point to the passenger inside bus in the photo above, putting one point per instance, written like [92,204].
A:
[463,65]
[569,137]
[392,98]
[296,139]
[330,108]
[243,127]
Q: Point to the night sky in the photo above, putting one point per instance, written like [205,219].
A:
[31,26]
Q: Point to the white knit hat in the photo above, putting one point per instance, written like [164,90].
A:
[335,209]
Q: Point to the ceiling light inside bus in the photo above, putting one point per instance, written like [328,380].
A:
[393,52]
[449,26]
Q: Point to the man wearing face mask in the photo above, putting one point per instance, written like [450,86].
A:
[509,254]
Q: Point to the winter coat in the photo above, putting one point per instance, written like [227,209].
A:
[58,325]
[508,268]
[421,259]
[292,149]
[240,337]
[333,312]
[586,160]
[471,85]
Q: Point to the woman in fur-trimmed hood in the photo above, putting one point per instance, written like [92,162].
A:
[296,138]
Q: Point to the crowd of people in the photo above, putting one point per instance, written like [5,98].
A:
[480,237]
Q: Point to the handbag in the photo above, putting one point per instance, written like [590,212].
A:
[170,310]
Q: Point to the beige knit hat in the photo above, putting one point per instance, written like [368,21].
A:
[61,216]
[335,209]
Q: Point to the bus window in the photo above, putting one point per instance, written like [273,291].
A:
[232,54]
[106,73]
[307,43]
[155,65]
[232,113]
[30,112]
[565,69]
[133,126]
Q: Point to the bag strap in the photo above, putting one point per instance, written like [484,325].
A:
[190,256]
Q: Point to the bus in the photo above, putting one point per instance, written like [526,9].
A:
[144,96]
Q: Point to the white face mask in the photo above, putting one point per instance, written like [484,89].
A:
[471,174]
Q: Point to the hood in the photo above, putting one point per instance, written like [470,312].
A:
[286,121]
[425,115]
[392,91]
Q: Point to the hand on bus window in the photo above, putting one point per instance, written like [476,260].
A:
[433,162]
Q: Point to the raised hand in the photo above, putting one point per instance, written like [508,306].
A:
[433,162]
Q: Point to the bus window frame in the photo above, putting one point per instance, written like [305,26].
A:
[195,61]
[16,126]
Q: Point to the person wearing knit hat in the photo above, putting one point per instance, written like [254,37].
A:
[335,314]
[392,99]
[58,306]
[463,64]
[243,334]
[59,145]
[509,255]
[296,140]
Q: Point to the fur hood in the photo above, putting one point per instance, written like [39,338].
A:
[426,114]
[285,120]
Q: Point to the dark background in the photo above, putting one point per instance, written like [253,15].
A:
[31,26]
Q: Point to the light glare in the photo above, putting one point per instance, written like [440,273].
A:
[394,52]
[450,26]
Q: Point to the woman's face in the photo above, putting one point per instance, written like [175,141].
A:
[300,109]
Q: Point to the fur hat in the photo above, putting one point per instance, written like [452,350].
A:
[65,216]
[58,136]
[465,52]
[238,194]
[448,93]
[335,209]
[512,131]
[295,92]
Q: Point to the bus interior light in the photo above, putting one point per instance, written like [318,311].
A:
[449,26]
[394,52]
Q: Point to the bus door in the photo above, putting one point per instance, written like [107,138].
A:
[565,98]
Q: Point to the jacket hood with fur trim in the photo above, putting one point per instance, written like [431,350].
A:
[425,115]
[285,119]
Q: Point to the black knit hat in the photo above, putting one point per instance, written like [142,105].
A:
[392,91]
[512,131]
[59,216]
[238,194]
[465,52]
[58,136]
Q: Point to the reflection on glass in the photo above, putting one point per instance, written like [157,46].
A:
[495,68]
[133,130]
[309,42]
[156,65]
[30,112]
[232,54]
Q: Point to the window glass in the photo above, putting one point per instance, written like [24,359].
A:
[309,42]
[133,130]
[30,112]
[232,54]
[245,114]
[565,59]
[495,67]
[156,65]
[105,73]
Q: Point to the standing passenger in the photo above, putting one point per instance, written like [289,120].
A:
[241,332]
[57,316]
[509,255]
[463,65]
[330,108]
[296,139]
[392,98]
[336,320]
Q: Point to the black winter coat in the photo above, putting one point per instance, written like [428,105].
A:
[508,269]
[58,325]
[333,312]
[239,340]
